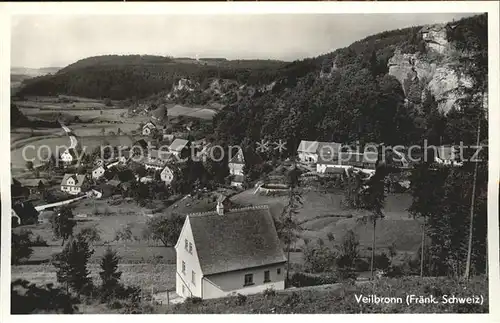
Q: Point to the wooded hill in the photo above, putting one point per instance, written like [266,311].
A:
[389,87]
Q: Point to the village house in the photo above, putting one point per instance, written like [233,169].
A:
[167,175]
[178,146]
[70,156]
[35,185]
[309,151]
[74,184]
[124,157]
[98,172]
[367,160]
[148,128]
[229,251]
[236,165]
[156,159]
[99,162]
[160,115]
[103,191]
[446,155]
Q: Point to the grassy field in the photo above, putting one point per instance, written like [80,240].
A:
[195,112]
[35,148]
[323,213]
[85,115]
[144,263]
[150,277]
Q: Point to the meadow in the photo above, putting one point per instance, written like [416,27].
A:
[144,262]
[194,112]
[35,148]
[323,213]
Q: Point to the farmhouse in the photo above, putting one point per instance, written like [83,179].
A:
[148,128]
[159,116]
[34,185]
[236,165]
[366,160]
[98,172]
[70,156]
[74,183]
[229,251]
[124,157]
[103,191]
[178,146]
[167,175]
[446,155]
[309,151]
[156,159]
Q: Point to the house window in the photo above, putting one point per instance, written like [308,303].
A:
[186,244]
[190,248]
[193,277]
[183,267]
[278,271]
[267,276]
[248,280]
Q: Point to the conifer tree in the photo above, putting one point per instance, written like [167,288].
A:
[71,265]
[110,275]
[372,198]
[63,224]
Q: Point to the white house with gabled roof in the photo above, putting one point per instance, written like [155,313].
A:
[229,251]
[74,184]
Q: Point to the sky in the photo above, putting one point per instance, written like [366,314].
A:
[56,41]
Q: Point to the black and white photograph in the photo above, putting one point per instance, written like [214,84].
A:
[264,163]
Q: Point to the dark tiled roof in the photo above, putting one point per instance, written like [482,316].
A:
[239,239]
[141,143]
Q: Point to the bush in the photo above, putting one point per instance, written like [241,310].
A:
[318,257]
[39,242]
[240,299]
[27,298]
[20,246]
[303,280]
[269,292]
[381,262]
[193,300]
[291,301]
[395,271]
[90,234]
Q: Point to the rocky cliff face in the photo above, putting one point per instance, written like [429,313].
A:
[435,71]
